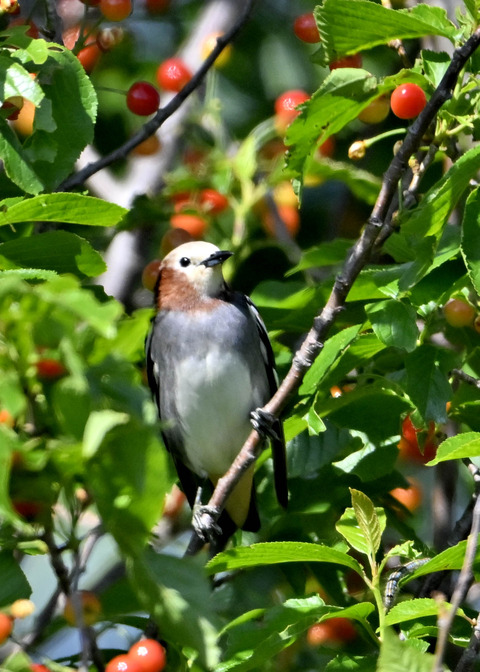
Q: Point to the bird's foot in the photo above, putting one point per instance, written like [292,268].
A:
[204,523]
[262,422]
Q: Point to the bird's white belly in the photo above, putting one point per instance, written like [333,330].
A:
[214,400]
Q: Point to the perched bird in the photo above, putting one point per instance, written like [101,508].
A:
[210,365]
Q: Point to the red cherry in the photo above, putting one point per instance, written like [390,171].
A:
[123,663]
[288,214]
[305,28]
[15,104]
[38,667]
[143,99]
[408,444]
[193,224]
[6,626]
[459,313]
[213,201]
[407,101]
[173,74]
[27,509]
[89,57]
[149,654]
[354,61]
[116,10]
[285,107]
[333,631]
[50,369]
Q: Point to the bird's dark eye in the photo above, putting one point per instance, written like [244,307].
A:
[184,262]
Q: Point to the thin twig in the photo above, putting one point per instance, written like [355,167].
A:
[461,375]
[153,124]
[355,262]
[464,581]
[469,656]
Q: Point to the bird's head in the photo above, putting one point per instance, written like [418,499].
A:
[192,271]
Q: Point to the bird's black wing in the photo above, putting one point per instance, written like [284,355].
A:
[278,443]
[189,481]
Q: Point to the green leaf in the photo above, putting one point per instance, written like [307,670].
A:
[61,207]
[450,558]
[471,236]
[349,26]
[416,608]
[456,447]
[15,80]
[339,100]
[423,227]
[371,523]
[354,410]
[274,553]
[65,292]
[253,642]
[59,251]
[329,253]
[333,348]
[177,595]
[128,475]
[394,322]
[245,161]
[346,663]
[364,185]
[398,656]
[427,385]
[97,427]
[17,165]
[63,126]
[14,584]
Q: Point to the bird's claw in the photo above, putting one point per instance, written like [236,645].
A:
[204,522]
[262,422]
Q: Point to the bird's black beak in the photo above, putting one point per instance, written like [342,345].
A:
[216,258]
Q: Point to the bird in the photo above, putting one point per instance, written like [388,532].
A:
[211,368]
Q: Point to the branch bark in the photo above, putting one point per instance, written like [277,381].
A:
[355,262]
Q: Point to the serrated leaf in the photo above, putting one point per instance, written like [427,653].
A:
[471,238]
[339,100]
[59,251]
[63,126]
[394,322]
[465,445]
[416,608]
[346,663]
[254,641]
[399,656]
[371,523]
[427,385]
[364,185]
[349,26]
[356,532]
[279,552]
[177,595]
[61,207]
[15,80]
[332,349]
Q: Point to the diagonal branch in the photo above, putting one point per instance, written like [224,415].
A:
[153,124]
[357,259]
